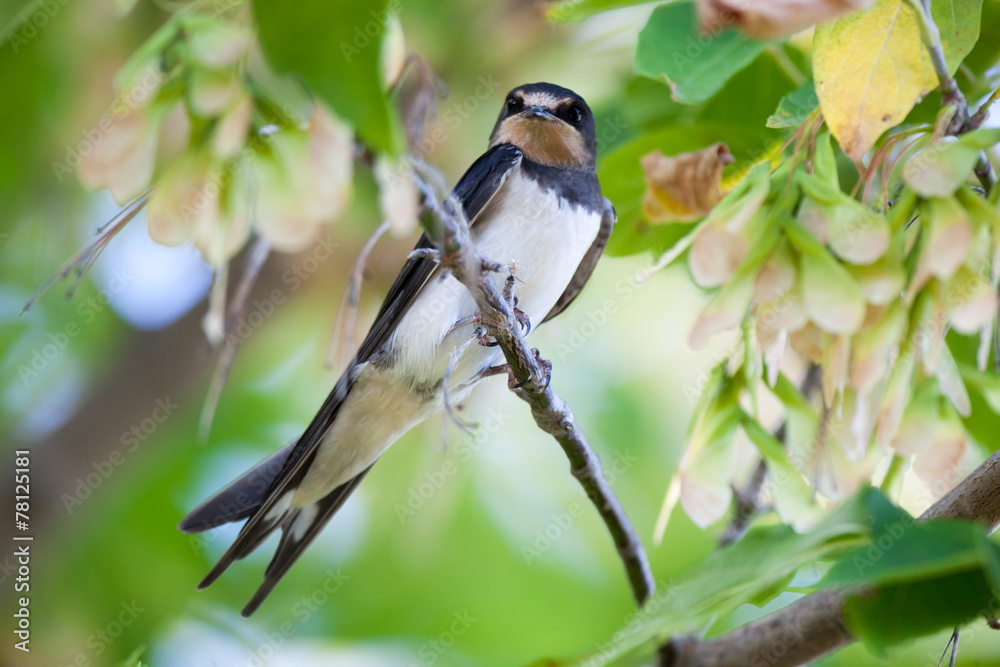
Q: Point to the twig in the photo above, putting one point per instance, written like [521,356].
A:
[748,499]
[814,626]
[342,336]
[255,263]
[80,263]
[961,122]
[449,231]
[953,645]
[950,93]
[747,502]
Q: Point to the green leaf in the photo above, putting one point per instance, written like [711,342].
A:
[749,97]
[571,11]
[986,384]
[695,66]
[335,46]
[743,572]
[927,576]
[899,612]
[795,107]
[985,54]
[958,23]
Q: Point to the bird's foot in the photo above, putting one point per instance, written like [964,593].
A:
[545,364]
[484,337]
[512,382]
[522,319]
[508,296]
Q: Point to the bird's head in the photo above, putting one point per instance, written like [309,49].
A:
[551,125]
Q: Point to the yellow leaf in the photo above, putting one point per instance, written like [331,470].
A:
[683,187]
[870,69]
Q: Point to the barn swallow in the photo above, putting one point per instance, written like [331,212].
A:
[532,198]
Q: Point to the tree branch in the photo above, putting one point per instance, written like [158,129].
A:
[449,231]
[814,626]
[950,92]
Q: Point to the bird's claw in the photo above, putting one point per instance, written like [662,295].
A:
[484,337]
[545,364]
[522,319]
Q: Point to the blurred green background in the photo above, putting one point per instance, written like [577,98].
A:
[431,561]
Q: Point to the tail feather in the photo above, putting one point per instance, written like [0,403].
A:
[299,527]
[263,497]
[241,498]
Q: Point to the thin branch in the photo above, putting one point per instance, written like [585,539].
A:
[950,93]
[747,502]
[814,626]
[961,121]
[748,498]
[341,344]
[238,307]
[449,231]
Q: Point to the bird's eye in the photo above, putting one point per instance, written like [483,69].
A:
[511,103]
[575,114]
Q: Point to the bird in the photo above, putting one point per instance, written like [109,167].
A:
[534,199]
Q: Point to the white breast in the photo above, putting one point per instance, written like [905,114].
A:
[546,236]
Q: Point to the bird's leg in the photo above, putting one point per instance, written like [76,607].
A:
[475,318]
[512,382]
[508,295]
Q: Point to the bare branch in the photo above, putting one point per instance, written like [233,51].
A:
[814,626]
[449,231]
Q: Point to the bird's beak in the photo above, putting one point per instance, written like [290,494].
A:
[537,112]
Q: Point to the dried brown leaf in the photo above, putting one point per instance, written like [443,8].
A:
[683,187]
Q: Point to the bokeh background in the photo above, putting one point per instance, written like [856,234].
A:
[442,556]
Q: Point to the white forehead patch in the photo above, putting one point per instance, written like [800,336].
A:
[539,99]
